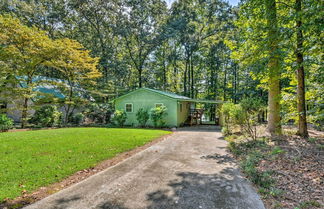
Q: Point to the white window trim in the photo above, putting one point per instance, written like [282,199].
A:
[126,108]
[158,104]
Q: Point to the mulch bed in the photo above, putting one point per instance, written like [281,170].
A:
[298,172]
[43,192]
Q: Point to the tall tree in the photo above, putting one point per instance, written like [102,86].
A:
[27,50]
[274,122]
[301,103]
[141,24]
[77,68]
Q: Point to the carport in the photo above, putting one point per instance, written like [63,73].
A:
[203,112]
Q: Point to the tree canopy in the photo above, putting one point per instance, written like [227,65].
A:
[202,49]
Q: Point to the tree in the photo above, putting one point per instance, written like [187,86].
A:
[78,68]
[141,24]
[301,103]
[25,49]
[274,123]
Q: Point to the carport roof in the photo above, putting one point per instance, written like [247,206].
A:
[204,101]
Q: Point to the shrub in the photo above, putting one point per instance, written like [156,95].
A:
[142,116]
[5,123]
[98,113]
[120,117]
[78,118]
[225,131]
[244,115]
[249,166]
[232,114]
[249,117]
[46,116]
[157,115]
[226,109]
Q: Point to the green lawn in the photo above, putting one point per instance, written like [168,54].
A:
[31,159]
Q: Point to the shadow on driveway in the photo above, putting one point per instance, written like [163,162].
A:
[194,191]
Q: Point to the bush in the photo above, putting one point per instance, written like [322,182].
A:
[157,116]
[244,115]
[249,166]
[78,118]
[225,131]
[46,116]
[5,123]
[249,119]
[232,114]
[142,116]
[120,117]
[98,113]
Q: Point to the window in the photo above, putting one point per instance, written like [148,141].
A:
[129,107]
[158,104]
[180,107]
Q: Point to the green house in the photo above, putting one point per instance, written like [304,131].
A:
[178,107]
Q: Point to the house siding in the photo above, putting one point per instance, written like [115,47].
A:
[147,100]
[183,115]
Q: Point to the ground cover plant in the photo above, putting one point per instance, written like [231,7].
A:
[5,123]
[288,172]
[31,159]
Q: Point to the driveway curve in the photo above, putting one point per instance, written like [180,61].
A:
[191,169]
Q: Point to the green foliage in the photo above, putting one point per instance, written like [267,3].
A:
[98,113]
[120,117]
[232,116]
[142,116]
[250,155]
[78,118]
[248,118]
[249,166]
[244,115]
[157,116]
[33,159]
[46,116]
[276,150]
[310,204]
[5,123]
[274,192]
[27,50]
[225,131]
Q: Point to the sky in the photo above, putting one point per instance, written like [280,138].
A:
[232,2]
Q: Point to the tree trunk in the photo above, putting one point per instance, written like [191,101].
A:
[140,77]
[189,77]
[301,104]
[225,82]
[24,113]
[192,77]
[274,125]
[185,79]
[235,84]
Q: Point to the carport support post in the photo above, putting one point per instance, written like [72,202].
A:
[221,118]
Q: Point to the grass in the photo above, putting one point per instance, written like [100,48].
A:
[32,159]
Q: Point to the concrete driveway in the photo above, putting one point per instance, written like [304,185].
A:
[189,170]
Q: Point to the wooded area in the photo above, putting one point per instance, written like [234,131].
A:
[207,49]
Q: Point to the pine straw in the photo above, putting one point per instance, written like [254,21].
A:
[298,172]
